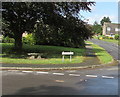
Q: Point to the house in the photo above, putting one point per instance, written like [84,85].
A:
[110,29]
[24,34]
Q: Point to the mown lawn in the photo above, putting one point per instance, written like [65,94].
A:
[112,40]
[101,53]
[49,54]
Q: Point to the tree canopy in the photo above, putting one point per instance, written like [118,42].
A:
[105,19]
[97,29]
[59,21]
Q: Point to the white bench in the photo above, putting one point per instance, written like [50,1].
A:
[67,53]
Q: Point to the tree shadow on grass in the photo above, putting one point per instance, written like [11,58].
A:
[47,55]
[88,44]
[91,53]
[8,52]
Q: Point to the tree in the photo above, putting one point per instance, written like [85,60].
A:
[105,19]
[18,18]
[22,16]
[97,28]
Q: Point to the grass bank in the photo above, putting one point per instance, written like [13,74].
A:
[110,40]
[49,54]
[101,53]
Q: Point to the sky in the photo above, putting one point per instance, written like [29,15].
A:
[100,10]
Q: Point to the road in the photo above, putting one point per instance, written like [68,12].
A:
[99,81]
[112,48]
[102,81]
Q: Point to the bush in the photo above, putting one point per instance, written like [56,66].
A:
[117,37]
[8,40]
[110,37]
[29,39]
[106,37]
[101,37]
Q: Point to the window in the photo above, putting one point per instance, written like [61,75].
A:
[117,29]
[108,28]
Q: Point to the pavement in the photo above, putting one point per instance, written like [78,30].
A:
[91,61]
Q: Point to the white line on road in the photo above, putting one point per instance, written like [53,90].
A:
[60,81]
[27,71]
[107,77]
[91,75]
[58,73]
[74,74]
[12,70]
[43,72]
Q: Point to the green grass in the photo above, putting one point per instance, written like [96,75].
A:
[49,54]
[101,53]
[111,40]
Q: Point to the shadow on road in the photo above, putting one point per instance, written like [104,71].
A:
[47,90]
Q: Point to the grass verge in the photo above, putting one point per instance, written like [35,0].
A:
[50,54]
[101,53]
[112,40]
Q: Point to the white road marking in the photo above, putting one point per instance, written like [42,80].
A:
[60,81]
[107,77]
[58,73]
[27,71]
[91,75]
[43,72]
[74,74]
[13,70]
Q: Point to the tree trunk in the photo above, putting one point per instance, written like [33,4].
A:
[18,42]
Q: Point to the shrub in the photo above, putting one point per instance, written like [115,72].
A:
[117,37]
[29,39]
[101,37]
[110,37]
[106,37]
[8,40]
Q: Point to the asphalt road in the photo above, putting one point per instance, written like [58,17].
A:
[102,81]
[111,48]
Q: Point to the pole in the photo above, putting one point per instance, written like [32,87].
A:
[63,58]
[70,58]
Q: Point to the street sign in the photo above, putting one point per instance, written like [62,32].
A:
[67,53]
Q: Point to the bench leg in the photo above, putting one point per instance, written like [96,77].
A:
[39,57]
[32,57]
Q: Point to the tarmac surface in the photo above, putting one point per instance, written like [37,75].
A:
[101,81]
